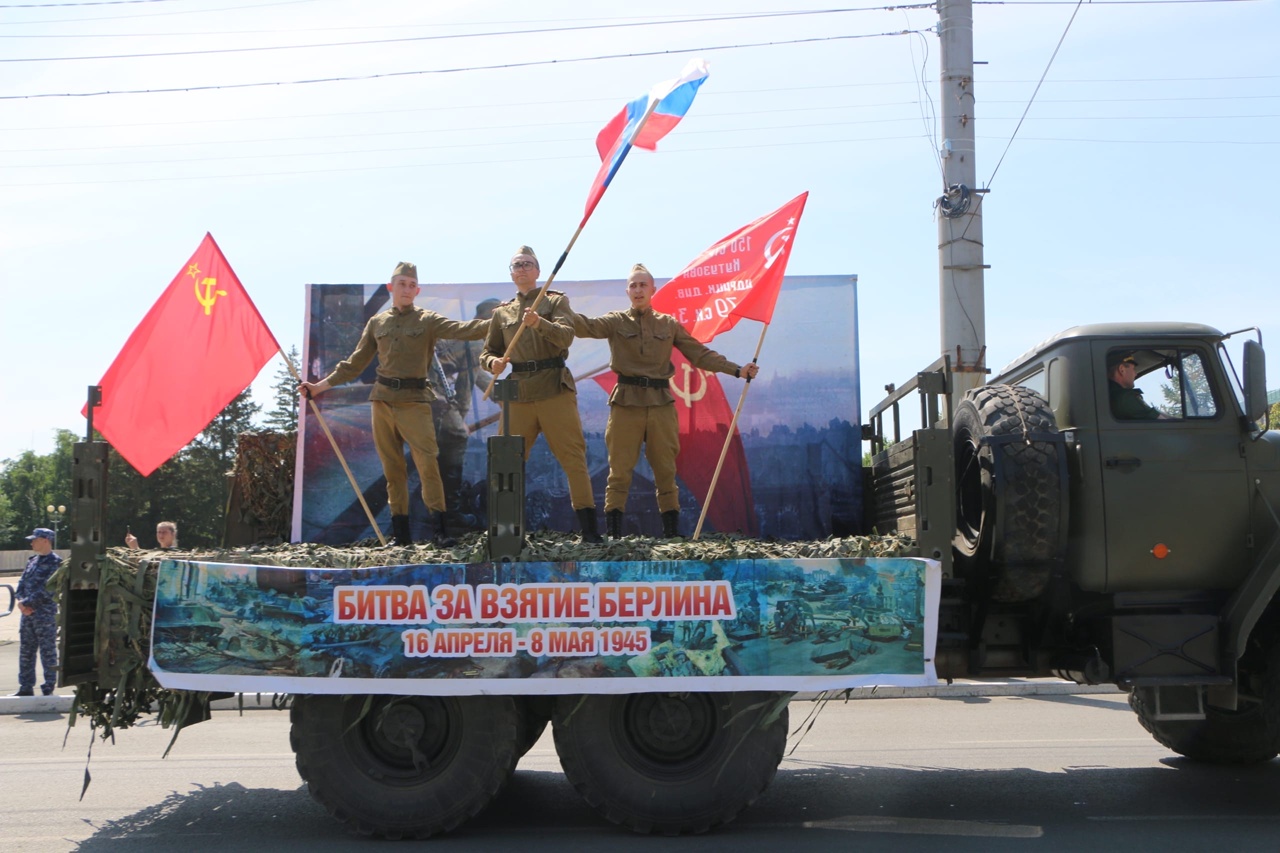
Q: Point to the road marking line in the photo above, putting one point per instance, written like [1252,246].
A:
[927,826]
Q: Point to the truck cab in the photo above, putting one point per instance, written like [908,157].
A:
[1106,510]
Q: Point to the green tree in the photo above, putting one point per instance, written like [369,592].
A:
[7,530]
[1275,416]
[283,414]
[29,484]
[190,489]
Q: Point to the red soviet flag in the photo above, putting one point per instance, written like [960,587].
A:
[199,346]
[740,276]
[703,413]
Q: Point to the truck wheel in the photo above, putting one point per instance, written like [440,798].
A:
[671,762]
[404,766]
[1021,543]
[1248,735]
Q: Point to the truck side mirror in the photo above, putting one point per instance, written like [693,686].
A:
[1255,381]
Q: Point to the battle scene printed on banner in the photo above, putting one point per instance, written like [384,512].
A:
[672,619]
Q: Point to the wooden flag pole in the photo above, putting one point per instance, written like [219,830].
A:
[728,438]
[333,442]
[565,254]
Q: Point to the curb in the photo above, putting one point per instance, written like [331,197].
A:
[958,690]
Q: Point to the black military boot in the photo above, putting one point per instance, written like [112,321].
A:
[587,521]
[441,537]
[613,523]
[400,534]
[671,524]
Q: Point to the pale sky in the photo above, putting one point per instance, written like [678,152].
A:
[1136,189]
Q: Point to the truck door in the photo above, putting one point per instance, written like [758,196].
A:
[1173,478]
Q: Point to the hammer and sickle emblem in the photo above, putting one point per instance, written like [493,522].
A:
[210,295]
[687,393]
[776,246]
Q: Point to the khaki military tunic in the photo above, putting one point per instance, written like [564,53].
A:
[550,339]
[404,341]
[548,401]
[640,344]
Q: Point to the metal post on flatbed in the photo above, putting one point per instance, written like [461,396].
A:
[506,480]
[962,312]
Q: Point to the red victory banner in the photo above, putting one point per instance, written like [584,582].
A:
[738,277]
[199,346]
[704,416]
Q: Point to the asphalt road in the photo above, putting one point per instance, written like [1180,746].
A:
[1071,772]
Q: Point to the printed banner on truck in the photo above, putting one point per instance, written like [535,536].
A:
[798,459]
[547,628]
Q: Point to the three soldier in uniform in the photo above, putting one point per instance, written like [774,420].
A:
[531,335]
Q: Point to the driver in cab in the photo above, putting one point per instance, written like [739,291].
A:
[1127,403]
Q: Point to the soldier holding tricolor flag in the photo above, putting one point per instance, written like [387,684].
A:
[548,401]
[641,408]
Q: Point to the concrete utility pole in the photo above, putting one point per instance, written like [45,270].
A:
[963,322]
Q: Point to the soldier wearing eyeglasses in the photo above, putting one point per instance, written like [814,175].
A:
[548,399]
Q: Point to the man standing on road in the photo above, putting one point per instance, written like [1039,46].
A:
[166,537]
[404,339]
[548,401]
[641,408]
[38,629]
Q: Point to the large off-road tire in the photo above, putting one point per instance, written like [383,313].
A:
[404,766]
[671,762]
[1248,735]
[1011,525]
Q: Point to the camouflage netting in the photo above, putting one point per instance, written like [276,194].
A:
[128,585]
[264,481]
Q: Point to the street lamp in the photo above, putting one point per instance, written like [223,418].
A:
[55,514]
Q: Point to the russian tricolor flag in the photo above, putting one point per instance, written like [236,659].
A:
[673,99]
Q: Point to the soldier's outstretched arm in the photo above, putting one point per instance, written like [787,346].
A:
[592,327]
[702,356]
[460,330]
[349,368]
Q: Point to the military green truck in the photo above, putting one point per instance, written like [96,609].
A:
[1072,542]
[1087,543]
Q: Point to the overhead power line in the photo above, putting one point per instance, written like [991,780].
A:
[156,14]
[433,146]
[673,150]
[86,3]
[457,70]
[650,22]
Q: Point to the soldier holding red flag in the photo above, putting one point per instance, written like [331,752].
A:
[404,339]
[641,408]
